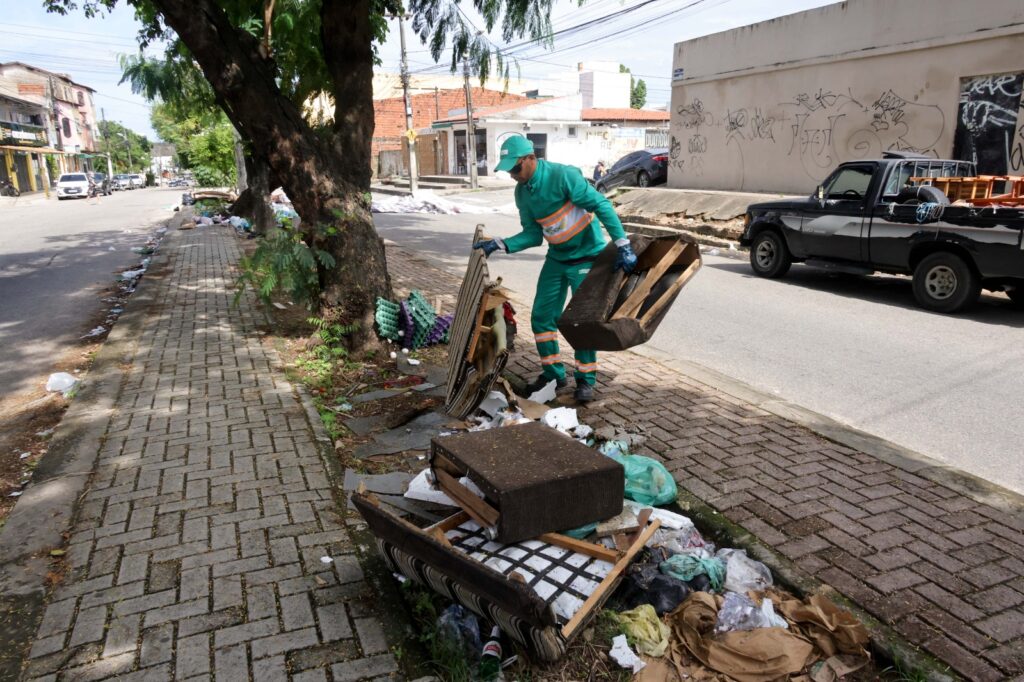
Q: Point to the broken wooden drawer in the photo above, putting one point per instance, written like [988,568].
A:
[535,480]
[613,311]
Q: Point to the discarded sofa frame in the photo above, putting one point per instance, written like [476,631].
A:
[428,557]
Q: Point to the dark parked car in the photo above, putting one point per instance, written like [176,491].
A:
[102,184]
[879,216]
[640,169]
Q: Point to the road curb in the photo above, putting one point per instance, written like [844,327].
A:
[922,465]
[45,512]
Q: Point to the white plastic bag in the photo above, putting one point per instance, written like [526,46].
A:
[742,573]
[739,612]
[60,381]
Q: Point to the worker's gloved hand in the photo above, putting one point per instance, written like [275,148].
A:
[627,259]
[488,246]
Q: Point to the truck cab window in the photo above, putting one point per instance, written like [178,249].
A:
[850,183]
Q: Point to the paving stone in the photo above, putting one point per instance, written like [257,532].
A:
[360,668]
[371,636]
[157,645]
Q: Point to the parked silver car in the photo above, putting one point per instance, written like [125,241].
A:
[122,181]
[138,181]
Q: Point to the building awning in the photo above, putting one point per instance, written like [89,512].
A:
[36,150]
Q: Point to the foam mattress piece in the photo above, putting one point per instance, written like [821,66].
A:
[586,322]
[538,479]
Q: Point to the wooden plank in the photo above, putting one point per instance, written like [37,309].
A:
[632,304]
[609,581]
[474,339]
[439,535]
[688,273]
[581,546]
[453,521]
[643,517]
[482,513]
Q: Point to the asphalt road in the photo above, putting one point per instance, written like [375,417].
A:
[55,259]
[853,348]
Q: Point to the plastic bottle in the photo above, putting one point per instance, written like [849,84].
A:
[490,660]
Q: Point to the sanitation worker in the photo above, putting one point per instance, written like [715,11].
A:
[556,204]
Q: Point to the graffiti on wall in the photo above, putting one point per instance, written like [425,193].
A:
[817,128]
[990,128]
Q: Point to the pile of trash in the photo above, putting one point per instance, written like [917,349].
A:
[425,201]
[414,323]
[684,606]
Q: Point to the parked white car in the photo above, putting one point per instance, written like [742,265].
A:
[72,186]
[122,181]
[138,182]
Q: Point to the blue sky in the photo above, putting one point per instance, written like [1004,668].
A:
[88,49]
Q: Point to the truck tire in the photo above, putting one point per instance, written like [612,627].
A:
[1016,296]
[769,255]
[943,282]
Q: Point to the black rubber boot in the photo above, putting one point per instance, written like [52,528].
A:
[542,381]
[584,393]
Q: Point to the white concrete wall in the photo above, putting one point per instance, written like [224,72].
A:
[776,105]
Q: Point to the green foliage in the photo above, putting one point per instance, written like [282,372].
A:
[284,263]
[637,89]
[426,606]
[204,141]
[123,144]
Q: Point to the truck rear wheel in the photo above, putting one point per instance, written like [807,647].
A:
[943,282]
[769,255]
[1016,296]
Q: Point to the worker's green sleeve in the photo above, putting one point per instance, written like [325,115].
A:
[531,235]
[584,195]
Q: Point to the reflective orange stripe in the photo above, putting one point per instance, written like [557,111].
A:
[551,359]
[568,234]
[592,367]
[545,336]
[556,216]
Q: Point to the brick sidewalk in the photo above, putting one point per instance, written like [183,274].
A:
[197,549]
[946,571]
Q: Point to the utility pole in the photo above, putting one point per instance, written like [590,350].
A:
[106,143]
[437,141]
[409,133]
[470,131]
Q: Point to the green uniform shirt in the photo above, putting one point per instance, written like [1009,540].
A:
[558,205]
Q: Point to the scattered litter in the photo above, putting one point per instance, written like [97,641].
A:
[95,331]
[646,630]
[743,573]
[25,455]
[414,362]
[460,627]
[16,493]
[326,560]
[111,248]
[625,656]
[494,401]
[133,274]
[546,394]
[425,201]
[61,381]
[646,584]
[422,489]
[394,355]
[668,519]
[688,565]
[713,252]
[562,418]
[739,612]
[647,480]
[405,351]
[280,306]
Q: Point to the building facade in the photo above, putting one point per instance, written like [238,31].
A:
[775,106]
[46,121]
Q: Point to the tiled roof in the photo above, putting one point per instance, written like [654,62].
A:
[482,112]
[624,115]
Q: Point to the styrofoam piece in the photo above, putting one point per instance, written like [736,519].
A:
[625,656]
[546,394]
[421,489]
[494,401]
[562,418]
[668,519]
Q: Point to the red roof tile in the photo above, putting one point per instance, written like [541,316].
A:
[624,115]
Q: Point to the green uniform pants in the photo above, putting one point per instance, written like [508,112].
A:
[556,279]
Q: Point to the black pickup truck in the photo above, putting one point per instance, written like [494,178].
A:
[868,216]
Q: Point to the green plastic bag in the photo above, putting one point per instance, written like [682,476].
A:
[647,480]
[689,565]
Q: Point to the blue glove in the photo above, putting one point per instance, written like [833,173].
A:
[626,260]
[489,246]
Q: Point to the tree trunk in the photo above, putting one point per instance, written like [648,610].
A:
[254,202]
[326,185]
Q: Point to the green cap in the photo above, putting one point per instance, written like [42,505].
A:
[513,149]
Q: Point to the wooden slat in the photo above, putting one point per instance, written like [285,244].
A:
[439,535]
[609,581]
[453,521]
[632,304]
[582,547]
[482,513]
[671,291]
